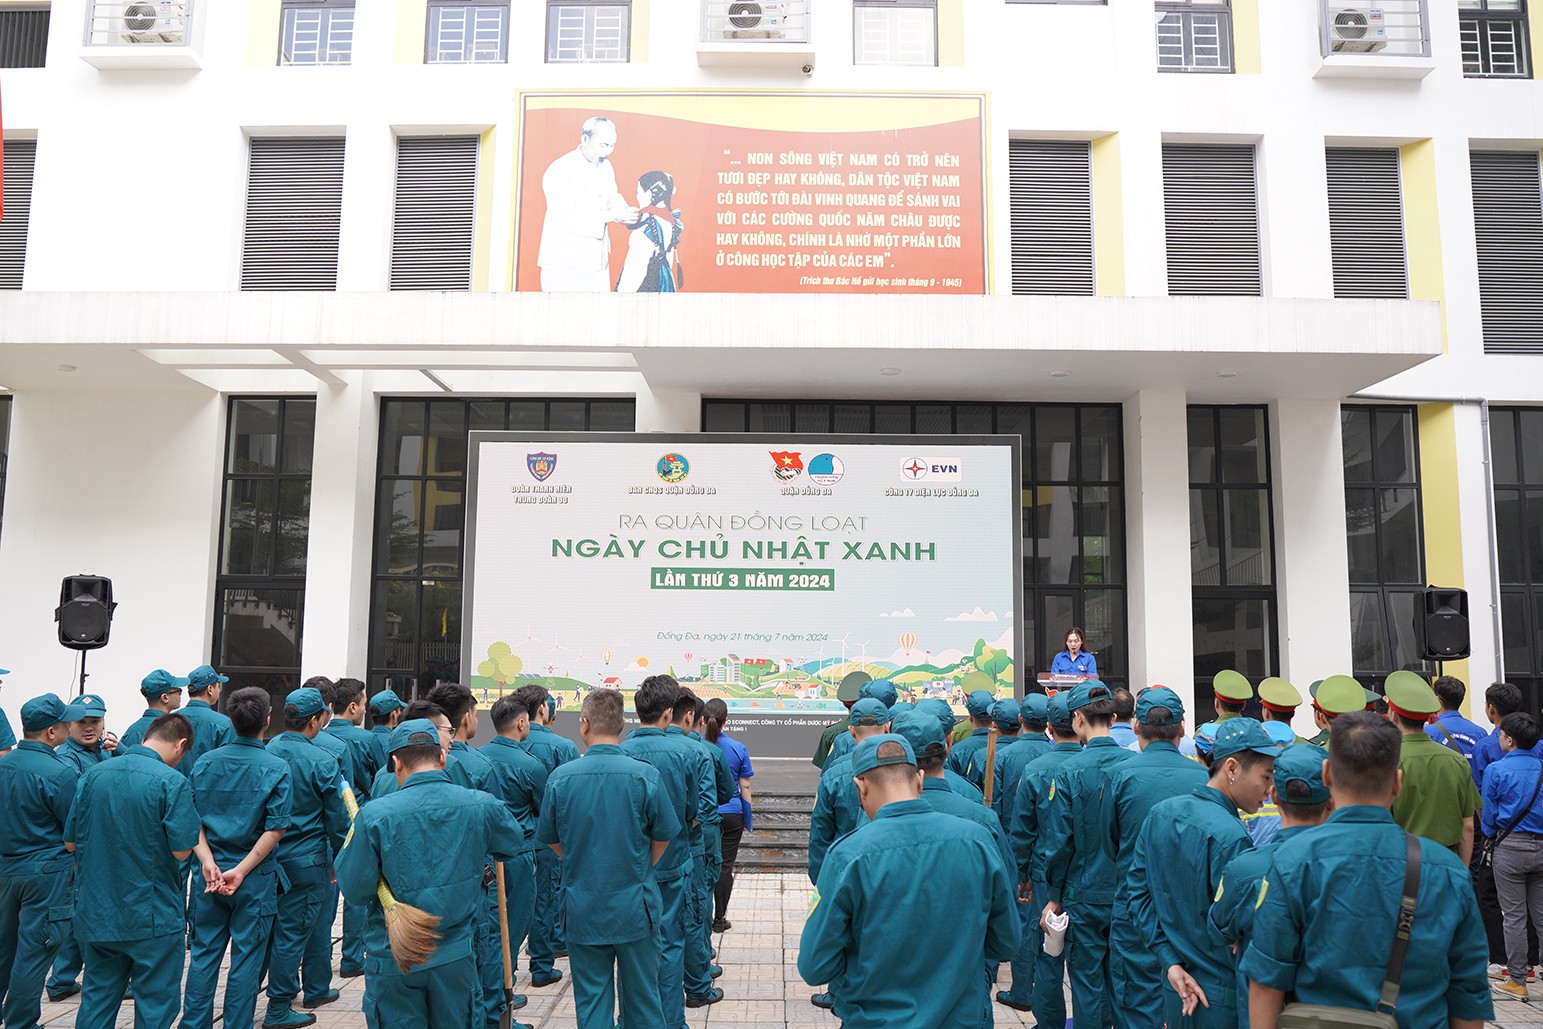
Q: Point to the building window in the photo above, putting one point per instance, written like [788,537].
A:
[1232,549]
[1494,38]
[1508,233]
[294,210]
[317,32]
[1211,214]
[467,32]
[1194,35]
[1074,502]
[895,32]
[434,224]
[1366,223]
[1051,196]
[1516,443]
[1385,538]
[588,32]
[20,157]
[23,37]
[415,621]
[259,596]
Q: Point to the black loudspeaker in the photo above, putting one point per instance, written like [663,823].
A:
[85,611]
[1441,624]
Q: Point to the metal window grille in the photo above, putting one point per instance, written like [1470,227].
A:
[1051,193]
[294,205]
[317,32]
[588,33]
[436,212]
[158,23]
[1194,35]
[886,32]
[1494,38]
[1211,213]
[1508,232]
[1366,223]
[468,34]
[20,156]
[23,38]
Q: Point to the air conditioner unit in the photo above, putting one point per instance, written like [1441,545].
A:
[757,19]
[1353,31]
[153,21]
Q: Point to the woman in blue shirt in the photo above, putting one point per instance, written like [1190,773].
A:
[736,813]
[1512,810]
[1074,660]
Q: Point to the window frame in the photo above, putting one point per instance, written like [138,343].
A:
[1525,591]
[552,6]
[1483,16]
[286,28]
[440,5]
[13,47]
[894,5]
[1186,9]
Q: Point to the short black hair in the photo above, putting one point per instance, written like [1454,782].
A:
[323,685]
[296,722]
[1504,698]
[1230,706]
[1295,801]
[1099,712]
[1522,728]
[1248,760]
[1124,703]
[454,700]
[248,709]
[897,772]
[507,711]
[344,693]
[532,697]
[603,709]
[169,728]
[1450,691]
[1063,732]
[416,755]
[1363,752]
[1160,725]
[421,709]
[932,762]
[685,704]
[655,697]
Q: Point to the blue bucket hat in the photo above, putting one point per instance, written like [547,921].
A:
[39,713]
[1239,734]
[1301,762]
[307,702]
[1280,732]
[866,757]
[1205,737]
[204,676]
[412,733]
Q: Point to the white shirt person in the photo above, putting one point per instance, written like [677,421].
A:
[581,202]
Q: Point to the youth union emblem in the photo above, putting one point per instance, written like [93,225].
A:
[786,464]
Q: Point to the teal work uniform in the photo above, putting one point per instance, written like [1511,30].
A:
[471,770]
[135,733]
[67,962]
[210,730]
[1232,909]
[679,764]
[1037,976]
[966,757]
[129,816]
[906,972]
[7,735]
[940,797]
[37,874]
[836,811]
[1010,765]
[721,788]
[430,841]
[827,741]
[316,827]
[316,960]
[1438,797]
[1005,745]
[1079,874]
[1350,872]
[241,791]
[518,780]
[1156,774]
[841,747]
[962,786]
[364,750]
[1184,846]
[379,735]
[603,810]
[546,921]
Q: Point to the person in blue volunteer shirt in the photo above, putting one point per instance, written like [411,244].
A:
[735,812]
[1074,660]
[1513,818]
[1451,729]
[88,746]
[163,694]
[36,872]
[210,728]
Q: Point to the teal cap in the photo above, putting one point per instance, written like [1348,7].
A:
[385,702]
[1086,692]
[866,757]
[1032,710]
[922,732]
[39,713]
[978,703]
[1058,711]
[411,733]
[939,709]
[1239,734]
[1303,763]
[868,711]
[881,690]
[903,707]
[1005,714]
[1159,697]
[204,676]
[306,701]
[160,681]
[92,706]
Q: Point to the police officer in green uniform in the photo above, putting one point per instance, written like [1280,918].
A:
[519,780]
[1037,976]
[1321,739]
[881,690]
[88,746]
[36,871]
[1032,743]
[132,825]
[1303,799]
[163,694]
[1185,844]
[1349,872]
[848,693]
[1157,773]
[1437,799]
[385,712]
[1337,695]
[316,827]
[546,922]
[610,819]
[906,972]
[1233,692]
[210,728]
[347,725]
[242,794]
[964,758]
[1079,870]
[430,840]
[718,787]
[1278,702]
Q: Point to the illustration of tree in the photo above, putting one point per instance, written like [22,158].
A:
[993,662]
[502,665]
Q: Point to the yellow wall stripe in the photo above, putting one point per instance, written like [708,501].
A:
[1246,59]
[1422,226]
[639,32]
[950,33]
[1108,219]
[262,33]
[1439,507]
[412,26]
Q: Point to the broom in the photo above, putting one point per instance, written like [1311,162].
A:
[413,932]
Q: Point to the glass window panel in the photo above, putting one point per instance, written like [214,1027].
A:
[277,684]
[1060,614]
[1202,444]
[1104,624]
[1361,534]
[442,520]
[447,437]
[934,419]
[1502,435]
[972,420]
[403,448]
[1537,630]
[260,627]
[1247,516]
[299,434]
[486,416]
[439,633]
[1510,540]
[1101,444]
[1205,553]
[526,415]
[721,417]
[1056,546]
[1368,634]
[254,437]
[1516,632]
[1395,446]
[294,525]
[771,418]
[397,527]
[1233,632]
[248,544]
[1033,661]
[1532,445]
[1401,618]
[1356,440]
[1055,432]
[892,419]
[1243,445]
[1535,535]
[395,633]
[1400,535]
[1029,572]
[566,416]
[853,418]
[1102,546]
[811,418]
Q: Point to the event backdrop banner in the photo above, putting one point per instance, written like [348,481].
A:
[752,192]
[758,569]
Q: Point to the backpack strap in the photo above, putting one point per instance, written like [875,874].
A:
[1405,926]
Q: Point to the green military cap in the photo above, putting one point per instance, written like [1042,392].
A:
[1340,695]
[1277,694]
[1410,696]
[1232,686]
[851,687]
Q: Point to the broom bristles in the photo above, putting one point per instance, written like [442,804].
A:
[412,932]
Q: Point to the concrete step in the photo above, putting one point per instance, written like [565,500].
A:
[780,842]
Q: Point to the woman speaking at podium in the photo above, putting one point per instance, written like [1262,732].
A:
[1074,661]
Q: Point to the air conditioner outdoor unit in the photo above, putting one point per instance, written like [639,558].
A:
[153,21]
[1353,31]
[757,19]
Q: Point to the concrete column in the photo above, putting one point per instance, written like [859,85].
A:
[1478,528]
[369,178]
[668,411]
[1292,173]
[1141,172]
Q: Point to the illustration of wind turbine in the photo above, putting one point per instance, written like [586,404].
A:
[844,652]
[529,637]
[862,651]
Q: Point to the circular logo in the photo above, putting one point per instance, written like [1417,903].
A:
[913,469]
[673,467]
[826,469]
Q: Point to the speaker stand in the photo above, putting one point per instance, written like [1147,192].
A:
[81,690]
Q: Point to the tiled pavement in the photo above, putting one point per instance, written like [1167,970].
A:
[760,977]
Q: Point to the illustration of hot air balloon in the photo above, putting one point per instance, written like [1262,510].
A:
[642,662]
[605,655]
[688,656]
[907,641]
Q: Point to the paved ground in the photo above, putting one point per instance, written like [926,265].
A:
[760,980]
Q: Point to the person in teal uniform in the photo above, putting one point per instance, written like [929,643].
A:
[316,826]
[242,794]
[849,692]
[546,922]
[519,780]
[881,690]
[347,724]
[88,746]
[37,874]
[905,972]
[163,694]
[1037,976]
[7,735]
[611,820]
[430,841]
[930,745]
[1079,868]
[679,765]
[718,787]
[1004,715]
[965,756]
[210,728]
[940,710]
[385,779]
[316,960]
[385,712]
[1349,872]
[132,825]
[836,809]
[1032,743]
[1298,790]
[1157,773]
